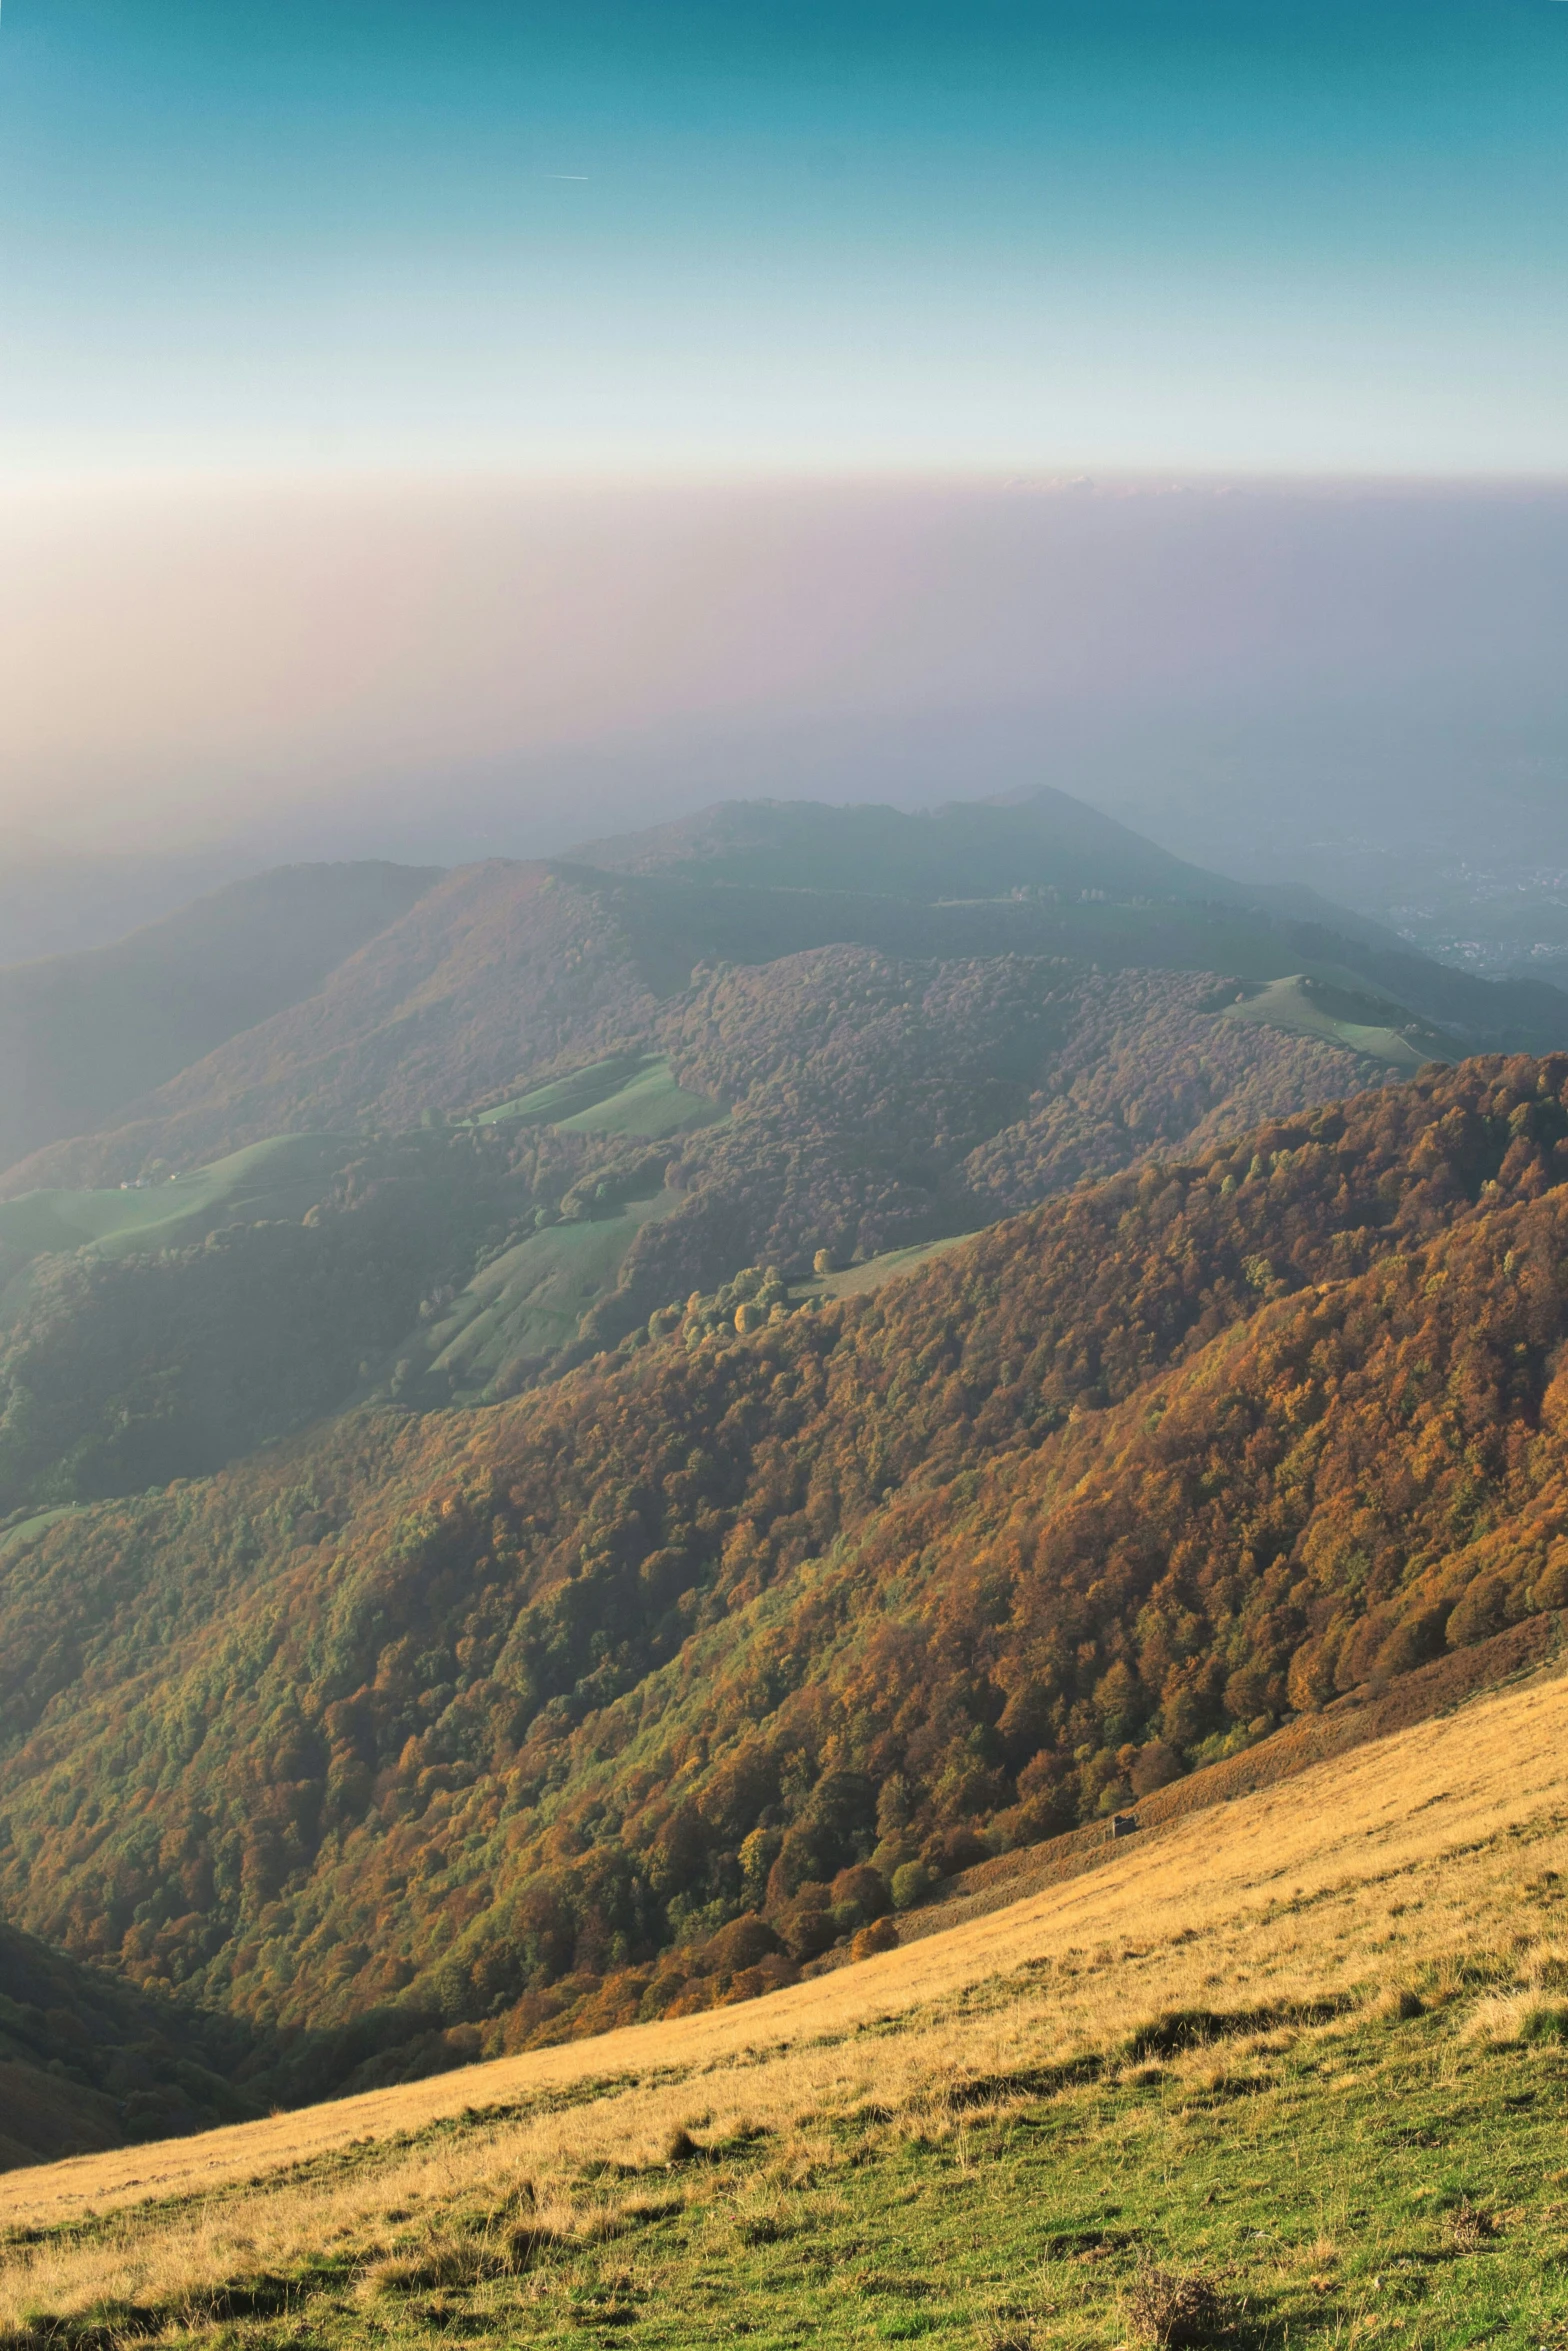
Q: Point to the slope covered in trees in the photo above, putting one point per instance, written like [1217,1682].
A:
[1082,871]
[870,1104]
[444,1734]
[876,1104]
[500,971]
[88,2061]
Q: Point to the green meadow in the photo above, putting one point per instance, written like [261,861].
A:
[628,1094]
[527,1303]
[1340,1008]
[280,1178]
[1380,2179]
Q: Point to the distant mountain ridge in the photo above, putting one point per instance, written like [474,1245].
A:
[988,848]
[498,1118]
[969,849]
[1044,841]
[57,900]
[493,973]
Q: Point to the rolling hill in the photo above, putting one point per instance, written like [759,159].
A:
[645,1426]
[83,1035]
[1079,867]
[216,1310]
[544,1102]
[1040,842]
[431,1736]
[501,975]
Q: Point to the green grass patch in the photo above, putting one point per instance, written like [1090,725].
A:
[564,1097]
[627,1094]
[280,1177]
[876,1270]
[527,1303]
[1343,1010]
[1378,2181]
[13,1537]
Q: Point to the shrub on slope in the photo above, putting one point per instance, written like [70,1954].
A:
[473,1717]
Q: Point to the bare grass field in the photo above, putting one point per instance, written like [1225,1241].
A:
[1248,1994]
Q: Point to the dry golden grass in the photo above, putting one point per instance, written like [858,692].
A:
[1507,2018]
[1343,1882]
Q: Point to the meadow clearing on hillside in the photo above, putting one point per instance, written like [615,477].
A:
[526,1304]
[1294,2067]
[628,1094]
[280,1178]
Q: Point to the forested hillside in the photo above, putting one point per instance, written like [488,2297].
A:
[541,1102]
[833,1100]
[466,1573]
[1085,880]
[439,1734]
[500,973]
[88,2061]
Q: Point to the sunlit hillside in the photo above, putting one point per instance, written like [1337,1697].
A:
[433,1738]
[1292,2066]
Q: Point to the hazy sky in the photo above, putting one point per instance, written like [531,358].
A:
[1278,234]
[469,424]
[446,669]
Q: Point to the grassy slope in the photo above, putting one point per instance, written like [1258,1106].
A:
[1306,2046]
[526,1305]
[628,1094]
[1332,1005]
[852,1280]
[652,1103]
[563,1097]
[24,1529]
[280,1177]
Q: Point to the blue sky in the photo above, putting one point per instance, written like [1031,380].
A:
[676,236]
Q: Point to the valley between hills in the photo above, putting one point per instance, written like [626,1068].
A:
[628,1471]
